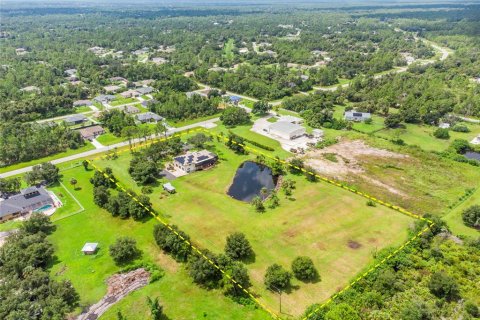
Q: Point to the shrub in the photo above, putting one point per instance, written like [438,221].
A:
[371,203]
[443,286]
[303,269]
[277,278]
[172,243]
[393,120]
[124,250]
[441,133]
[460,146]
[471,216]
[460,128]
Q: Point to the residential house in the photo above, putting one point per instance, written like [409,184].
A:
[142,83]
[286,130]
[75,119]
[90,133]
[89,248]
[27,201]
[194,161]
[357,116]
[130,94]
[131,109]
[235,100]
[159,60]
[80,103]
[119,80]
[111,88]
[145,90]
[104,98]
[243,50]
[148,117]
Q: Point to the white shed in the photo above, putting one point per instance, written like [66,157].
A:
[90,248]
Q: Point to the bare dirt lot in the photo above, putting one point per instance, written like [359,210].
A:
[344,159]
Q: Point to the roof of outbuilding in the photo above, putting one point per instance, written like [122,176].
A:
[285,127]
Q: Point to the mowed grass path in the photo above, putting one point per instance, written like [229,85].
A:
[88,273]
[319,223]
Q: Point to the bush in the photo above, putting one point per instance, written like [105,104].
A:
[472,309]
[441,133]
[460,146]
[124,250]
[393,120]
[277,278]
[303,269]
[471,216]
[238,247]
[443,286]
[460,128]
[171,243]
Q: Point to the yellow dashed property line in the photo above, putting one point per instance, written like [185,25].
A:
[333,182]
[188,243]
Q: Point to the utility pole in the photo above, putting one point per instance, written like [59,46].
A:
[279,297]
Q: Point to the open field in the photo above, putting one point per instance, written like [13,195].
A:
[108,139]
[228,49]
[69,152]
[88,273]
[191,121]
[323,230]
[454,217]
[121,100]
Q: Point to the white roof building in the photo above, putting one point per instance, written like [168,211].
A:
[90,248]
[286,130]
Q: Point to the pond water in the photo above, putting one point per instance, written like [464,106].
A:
[472,155]
[250,178]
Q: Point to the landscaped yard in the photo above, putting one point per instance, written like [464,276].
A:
[119,100]
[108,139]
[332,226]
[88,273]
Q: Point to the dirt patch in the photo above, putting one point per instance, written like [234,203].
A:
[320,246]
[119,285]
[350,156]
[353,244]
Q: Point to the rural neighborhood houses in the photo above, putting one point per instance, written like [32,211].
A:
[75,119]
[195,160]
[28,200]
[90,133]
[104,98]
[81,103]
[148,117]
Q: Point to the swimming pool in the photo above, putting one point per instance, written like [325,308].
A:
[44,208]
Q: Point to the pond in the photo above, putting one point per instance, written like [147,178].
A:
[472,155]
[250,178]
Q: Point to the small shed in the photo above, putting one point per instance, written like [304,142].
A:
[90,248]
[169,188]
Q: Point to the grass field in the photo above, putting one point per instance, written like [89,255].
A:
[121,100]
[108,139]
[228,49]
[322,229]
[191,121]
[422,136]
[82,109]
[88,273]
[454,217]
[69,152]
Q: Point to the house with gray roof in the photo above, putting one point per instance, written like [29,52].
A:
[194,161]
[148,117]
[145,90]
[75,119]
[104,98]
[286,130]
[27,201]
[80,103]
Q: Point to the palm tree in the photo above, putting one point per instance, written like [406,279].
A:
[73,182]
[129,132]
[161,127]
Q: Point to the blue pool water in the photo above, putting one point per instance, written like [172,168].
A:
[44,208]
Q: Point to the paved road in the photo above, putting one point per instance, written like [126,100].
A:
[208,124]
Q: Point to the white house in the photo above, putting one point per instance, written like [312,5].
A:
[476,140]
[196,160]
[286,130]
[357,116]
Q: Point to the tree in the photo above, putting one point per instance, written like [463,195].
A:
[238,247]
[234,116]
[277,278]
[85,164]
[236,271]
[303,269]
[287,186]
[73,182]
[124,250]
[101,196]
[295,166]
[161,127]
[156,310]
[274,200]
[443,286]
[441,133]
[11,185]
[236,143]
[393,120]
[471,216]
[44,172]
[199,140]
[143,170]
[310,174]
[257,203]
[203,271]
[342,311]
[460,146]
[129,132]
[38,223]
[172,242]
[261,107]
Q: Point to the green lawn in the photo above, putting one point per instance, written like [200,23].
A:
[120,100]
[88,273]
[108,139]
[422,136]
[322,229]
[228,49]
[454,217]
[82,109]
[183,123]
[69,152]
